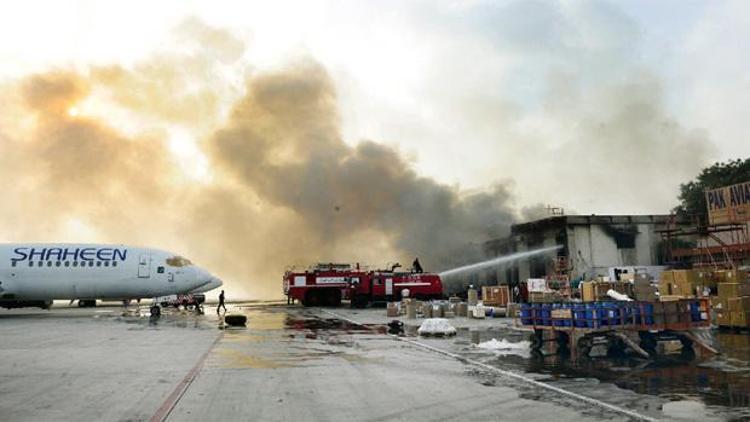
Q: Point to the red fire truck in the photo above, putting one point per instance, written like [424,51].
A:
[329,284]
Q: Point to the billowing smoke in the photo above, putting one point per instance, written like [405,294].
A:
[282,188]
[283,142]
[247,172]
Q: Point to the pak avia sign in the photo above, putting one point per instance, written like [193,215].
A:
[730,204]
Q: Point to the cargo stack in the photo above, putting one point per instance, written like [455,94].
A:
[495,295]
[642,288]
[733,305]
[685,283]
[596,291]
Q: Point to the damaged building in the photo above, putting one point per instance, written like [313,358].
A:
[589,246]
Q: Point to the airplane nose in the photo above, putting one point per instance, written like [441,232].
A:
[202,277]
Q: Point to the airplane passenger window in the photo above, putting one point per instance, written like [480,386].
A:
[58,263]
[91,263]
[114,263]
[67,263]
[98,263]
[49,263]
[31,263]
[106,263]
[40,263]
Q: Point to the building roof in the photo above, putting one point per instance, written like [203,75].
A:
[578,220]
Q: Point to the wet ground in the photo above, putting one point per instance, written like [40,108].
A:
[292,363]
[287,364]
[709,386]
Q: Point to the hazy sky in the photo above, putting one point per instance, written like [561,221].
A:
[462,87]
[476,112]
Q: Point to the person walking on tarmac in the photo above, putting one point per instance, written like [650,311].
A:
[417,266]
[221,303]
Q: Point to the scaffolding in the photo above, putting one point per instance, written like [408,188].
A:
[720,246]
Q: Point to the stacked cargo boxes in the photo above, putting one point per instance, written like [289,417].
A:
[544,297]
[685,283]
[733,305]
[642,288]
[596,291]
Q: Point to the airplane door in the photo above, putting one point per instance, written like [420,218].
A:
[144,266]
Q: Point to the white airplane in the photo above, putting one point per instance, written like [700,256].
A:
[36,274]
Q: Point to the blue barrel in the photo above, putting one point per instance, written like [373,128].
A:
[695,311]
[637,314]
[526,314]
[592,315]
[627,311]
[568,322]
[648,313]
[579,315]
[546,314]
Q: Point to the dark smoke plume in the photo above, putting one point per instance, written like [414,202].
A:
[284,188]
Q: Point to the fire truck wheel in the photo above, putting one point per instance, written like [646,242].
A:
[360,301]
[312,298]
[333,298]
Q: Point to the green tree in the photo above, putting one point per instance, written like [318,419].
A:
[692,196]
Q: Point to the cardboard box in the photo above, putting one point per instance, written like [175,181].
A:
[645,294]
[536,285]
[627,277]
[495,295]
[729,290]
[666,276]
[738,304]
[542,297]
[587,291]
[740,319]
[707,279]
[642,279]
[688,277]
[723,319]
[735,276]
[562,313]
[717,303]
[666,280]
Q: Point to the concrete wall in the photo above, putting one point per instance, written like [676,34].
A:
[593,250]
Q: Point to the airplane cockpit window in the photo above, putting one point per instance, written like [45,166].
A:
[178,261]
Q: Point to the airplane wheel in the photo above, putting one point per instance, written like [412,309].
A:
[155,311]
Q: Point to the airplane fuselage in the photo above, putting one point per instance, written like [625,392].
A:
[94,271]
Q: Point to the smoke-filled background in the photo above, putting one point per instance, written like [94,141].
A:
[253,141]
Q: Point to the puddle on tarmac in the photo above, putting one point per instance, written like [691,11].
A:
[275,338]
[235,359]
[721,382]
